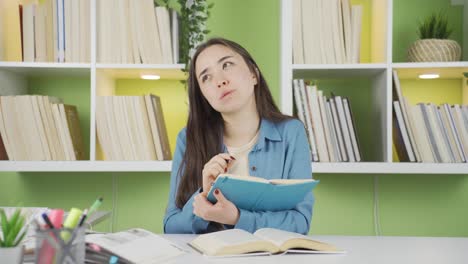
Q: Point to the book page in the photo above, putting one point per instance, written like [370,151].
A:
[289,181]
[230,242]
[136,245]
[286,240]
[276,236]
[245,178]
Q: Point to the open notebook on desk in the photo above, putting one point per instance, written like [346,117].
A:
[265,241]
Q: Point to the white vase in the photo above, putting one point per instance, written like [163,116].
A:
[12,255]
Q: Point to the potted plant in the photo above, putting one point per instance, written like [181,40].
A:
[433,44]
[13,232]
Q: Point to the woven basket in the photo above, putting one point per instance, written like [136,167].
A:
[430,50]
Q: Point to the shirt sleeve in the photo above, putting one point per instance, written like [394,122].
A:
[181,220]
[298,166]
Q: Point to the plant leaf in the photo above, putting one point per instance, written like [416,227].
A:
[4,221]
[173,4]
[14,218]
[160,3]
[10,239]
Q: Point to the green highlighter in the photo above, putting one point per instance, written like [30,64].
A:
[71,222]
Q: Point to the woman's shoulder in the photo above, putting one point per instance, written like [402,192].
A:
[289,125]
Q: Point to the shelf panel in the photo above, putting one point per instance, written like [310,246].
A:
[165,166]
[406,65]
[134,71]
[74,166]
[47,68]
[139,66]
[390,168]
[337,70]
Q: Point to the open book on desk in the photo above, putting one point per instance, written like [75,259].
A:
[265,241]
[131,246]
[258,194]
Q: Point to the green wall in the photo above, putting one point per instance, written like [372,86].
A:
[410,205]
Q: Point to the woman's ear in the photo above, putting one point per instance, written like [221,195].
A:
[255,76]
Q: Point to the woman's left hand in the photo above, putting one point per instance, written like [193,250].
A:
[223,211]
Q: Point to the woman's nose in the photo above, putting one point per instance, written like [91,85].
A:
[222,83]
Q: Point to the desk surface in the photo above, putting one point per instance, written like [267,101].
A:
[360,250]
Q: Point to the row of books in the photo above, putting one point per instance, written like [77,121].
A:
[329,123]
[35,127]
[326,31]
[145,33]
[132,128]
[56,30]
[429,133]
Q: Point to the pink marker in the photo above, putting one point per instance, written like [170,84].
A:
[56,217]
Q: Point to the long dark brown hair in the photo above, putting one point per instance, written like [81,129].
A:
[205,124]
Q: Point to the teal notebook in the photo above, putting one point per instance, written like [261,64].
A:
[258,194]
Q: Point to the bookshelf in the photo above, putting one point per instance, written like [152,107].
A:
[377,64]
[374,71]
[95,79]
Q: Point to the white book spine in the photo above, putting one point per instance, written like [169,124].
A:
[307,111]
[333,134]
[345,129]
[338,130]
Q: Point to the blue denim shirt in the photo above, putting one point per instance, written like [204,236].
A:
[281,152]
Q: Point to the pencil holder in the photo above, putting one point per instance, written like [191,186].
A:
[60,246]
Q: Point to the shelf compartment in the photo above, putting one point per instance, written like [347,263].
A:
[127,82]
[367,95]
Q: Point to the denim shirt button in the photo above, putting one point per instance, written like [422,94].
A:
[254,168]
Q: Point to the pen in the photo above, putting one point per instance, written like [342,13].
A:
[95,205]
[83,217]
[47,220]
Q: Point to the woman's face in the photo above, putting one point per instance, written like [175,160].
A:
[225,79]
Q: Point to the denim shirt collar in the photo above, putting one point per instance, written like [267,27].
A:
[268,131]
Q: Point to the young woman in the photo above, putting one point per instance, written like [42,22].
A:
[233,127]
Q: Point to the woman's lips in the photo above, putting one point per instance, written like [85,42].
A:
[226,94]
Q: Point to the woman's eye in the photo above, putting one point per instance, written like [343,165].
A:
[227,64]
[205,78]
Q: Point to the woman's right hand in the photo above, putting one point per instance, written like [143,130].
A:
[215,166]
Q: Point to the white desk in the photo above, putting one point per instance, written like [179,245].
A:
[360,250]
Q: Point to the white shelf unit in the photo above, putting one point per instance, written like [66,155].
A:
[14,78]
[165,166]
[84,165]
[379,72]
[15,74]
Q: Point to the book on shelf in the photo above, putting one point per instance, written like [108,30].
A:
[130,246]
[333,38]
[132,128]
[426,132]
[412,153]
[352,129]
[146,32]
[48,30]
[259,194]
[265,241]
[329,123]
[35,127]
[400,135]
[304,115]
